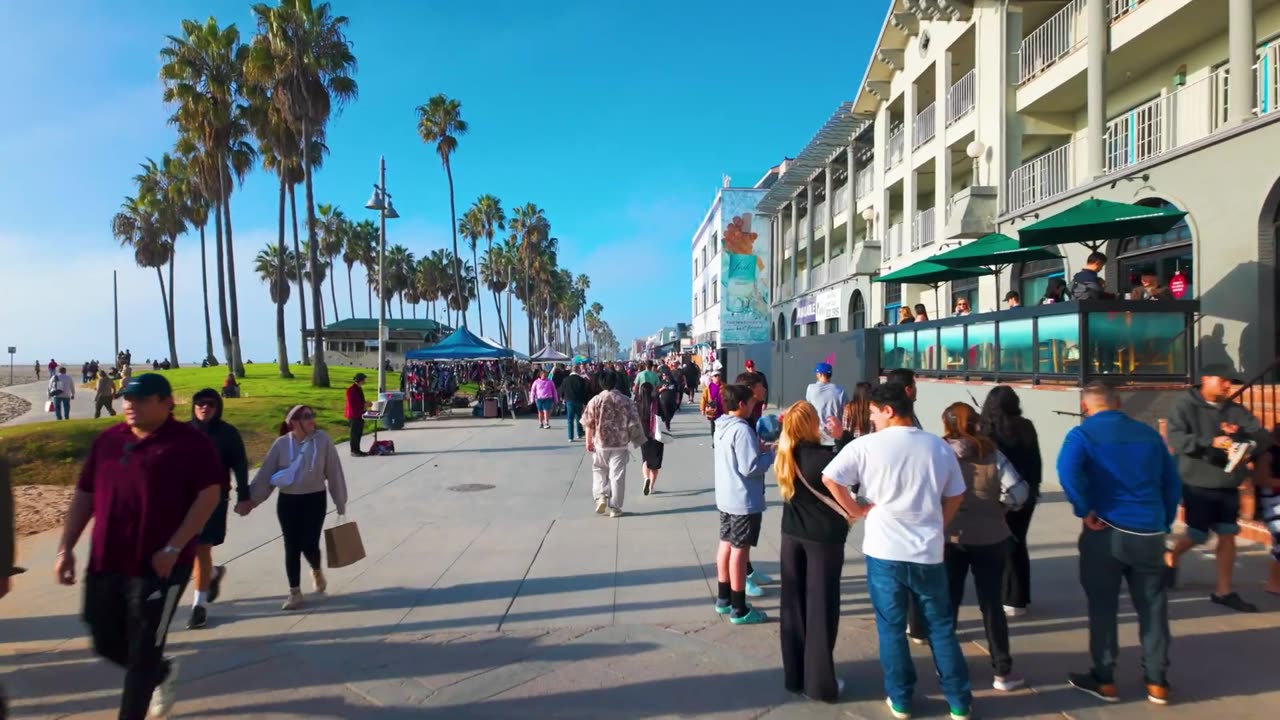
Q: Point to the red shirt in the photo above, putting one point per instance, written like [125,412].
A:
[142,490]
[355,402]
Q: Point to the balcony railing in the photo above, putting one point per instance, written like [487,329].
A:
[893,240]
[1052,41]
[1170,121]
[1267,72]
[897,146]
[820,217]
[925,126]
[1044,177]
[922,229]
[865,183]
[1134,136]
[962,96]
[1120,8]
[840,202]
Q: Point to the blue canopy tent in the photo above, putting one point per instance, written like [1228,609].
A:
[461,344]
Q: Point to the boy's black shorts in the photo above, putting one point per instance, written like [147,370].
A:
[740,531]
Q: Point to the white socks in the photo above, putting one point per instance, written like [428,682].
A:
[200,598]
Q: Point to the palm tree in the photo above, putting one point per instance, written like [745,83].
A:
[137,226]
[489,219]
[400,266]
[162,187]
[469,228]
[202,71]
[332,232]
[361,247]
[529,229]
[433,278]
[593,326]
[440,122]
[493,276]
[582,284]
[303,55]
[296,177]
[459,302]
[272,264]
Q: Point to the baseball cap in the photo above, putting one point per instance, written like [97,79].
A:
[361,376]
[1222,370]
[823,368]
[751,364]
[147,384]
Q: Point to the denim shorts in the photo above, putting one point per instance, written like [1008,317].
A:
[544,404]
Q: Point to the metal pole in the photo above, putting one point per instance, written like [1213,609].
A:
[382,252]
[115,305]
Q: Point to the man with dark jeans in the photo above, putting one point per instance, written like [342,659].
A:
[573,389]
[149,485]
[1121,480]
[356,406]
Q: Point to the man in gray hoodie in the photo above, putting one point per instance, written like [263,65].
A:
[741,463]
[1214,438]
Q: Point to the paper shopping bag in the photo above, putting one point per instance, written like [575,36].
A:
[342,544]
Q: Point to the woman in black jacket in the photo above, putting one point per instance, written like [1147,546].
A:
[206,416]
[814,531]
[1015,436]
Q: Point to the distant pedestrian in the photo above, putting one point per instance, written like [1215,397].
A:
[909,486]
[149,485]
[741,463]
[612,426]
[826,397]
[53,366]
[37,369]
[712,402]
[104,395]
[354,412]
[653,449]
[544,396]
[1016,438]
[668,391]
[206,416]
[1120,479]
[62,390]
[692,378]
[231,387]
[573,390]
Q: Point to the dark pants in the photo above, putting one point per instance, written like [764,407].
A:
[62,408]
[1017,573]
[573,413]
[667,405]
[988,565]
[301,524]
[810,615]
[357,432]
[100,404]
[128,620]
[1107,557]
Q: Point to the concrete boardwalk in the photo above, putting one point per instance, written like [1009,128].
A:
[519,601]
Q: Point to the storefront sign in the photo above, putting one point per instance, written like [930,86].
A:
[1178,285]
[828,304]
[807,310]
[744,268]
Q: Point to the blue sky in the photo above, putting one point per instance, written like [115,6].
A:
[617,118]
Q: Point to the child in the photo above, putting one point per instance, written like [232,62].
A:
[740,467]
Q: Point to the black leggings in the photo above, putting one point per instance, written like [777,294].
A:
[667,405]
[301,523]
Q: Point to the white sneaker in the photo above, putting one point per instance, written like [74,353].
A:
[294,601]
[165,694]
[1011,611]
[1008,683]
[318,581]
[615,513]
[601,506]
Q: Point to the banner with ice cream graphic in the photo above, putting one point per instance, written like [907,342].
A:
[744,270]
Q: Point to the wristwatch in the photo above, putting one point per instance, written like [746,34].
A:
[170,550]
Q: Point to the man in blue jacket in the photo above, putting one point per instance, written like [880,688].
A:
[1122,481]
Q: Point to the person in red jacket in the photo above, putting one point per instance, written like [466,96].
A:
[356,406]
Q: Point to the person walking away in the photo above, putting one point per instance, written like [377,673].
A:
[652,450]
[1213,437]
[855,421]
[543,395]
[712,402]
[62,388]
[913,487]
[740,466]
[206,416]
[750,366]
[978,536]
[826,397]
[1122,482]
[355,408]
[302,463]
[668,391]
[574,392]
[149,484]
[37,370]
[1088,283]
[1015,437]
[612,426]
[647,374]
[104,395]
[692,378]
[814,530]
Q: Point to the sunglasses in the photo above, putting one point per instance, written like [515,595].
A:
[306,416]
[205,403]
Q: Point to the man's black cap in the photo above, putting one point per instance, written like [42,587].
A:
[147,384]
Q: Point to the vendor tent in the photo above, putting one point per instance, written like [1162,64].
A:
[462,344]
[548,354]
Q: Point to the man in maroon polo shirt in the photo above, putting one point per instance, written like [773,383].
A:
[149,484]
[356,406]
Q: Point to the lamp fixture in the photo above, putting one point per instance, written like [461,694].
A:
[975,149]
[868,213]
[375,200]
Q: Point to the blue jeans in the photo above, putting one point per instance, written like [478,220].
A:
[572,414]
[888,584]
[62,408]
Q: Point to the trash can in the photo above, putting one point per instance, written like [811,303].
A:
[491,407]
[392,410]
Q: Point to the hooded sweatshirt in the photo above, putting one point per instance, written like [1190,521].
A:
[980,519]
[740,467]
[227,441]
[1193,425]
[1086,285]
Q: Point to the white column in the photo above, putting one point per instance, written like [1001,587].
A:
[808,229]
[795,242]
[1243,54]
[942,177]
[1006,156]
[1098,32]
[830,222]
[852,188]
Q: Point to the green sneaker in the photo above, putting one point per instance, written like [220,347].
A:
[897,711]
[753,617]
[960,714]
[724,607]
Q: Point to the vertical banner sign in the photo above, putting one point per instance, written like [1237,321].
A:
[807,310]
[744,268]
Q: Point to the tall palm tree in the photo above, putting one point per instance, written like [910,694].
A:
[440,122]
[582,284]
[400,265]
[272,264]
[332,233]
[301,52]
[137,226]
[489,219]
[530,229]
[493,276]
[432,274]
[203,71]
[459,302]
[469,228]
[296,177]
[360,247]
[162,187]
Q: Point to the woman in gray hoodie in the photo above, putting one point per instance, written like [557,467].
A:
[302,463]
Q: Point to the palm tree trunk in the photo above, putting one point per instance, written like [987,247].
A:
[369,288]
[173,340]
[414,308]
[237,361]
[223,326]
[453,225]
[164,300]
[475,268]
[204,287]
[281,282]
[333,292]
[319,371]
[502,331]
[297,261]
[351,297]
[401,301]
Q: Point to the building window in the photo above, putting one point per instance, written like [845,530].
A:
[857,311]
[715,289]
[1166,254]
[832,325]
[695,303]
[892,301]
[811,329]
[715,244]
[782,327]
[795,324]
[967,289]
[1033,278]
[704,297]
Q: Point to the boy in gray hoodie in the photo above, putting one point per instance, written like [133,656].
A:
[740,466]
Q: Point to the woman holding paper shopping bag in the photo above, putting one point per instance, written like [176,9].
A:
[302,463]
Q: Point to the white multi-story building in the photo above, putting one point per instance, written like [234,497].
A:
[978,116]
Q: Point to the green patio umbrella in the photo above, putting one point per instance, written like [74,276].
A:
[927,272]
[994,252]
[1093,221]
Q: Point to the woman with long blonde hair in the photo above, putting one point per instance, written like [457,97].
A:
[814,531]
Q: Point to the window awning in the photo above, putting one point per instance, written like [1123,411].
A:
[833,136]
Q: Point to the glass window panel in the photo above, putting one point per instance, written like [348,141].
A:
[953,349]
[982,347]
[1058,349]
[1015,346]
[811,329]
[898,350]
[888,346]
[891,313]
[1123,343]
[832,326]
[927,340]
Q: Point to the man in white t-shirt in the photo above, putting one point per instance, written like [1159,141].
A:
[909,486]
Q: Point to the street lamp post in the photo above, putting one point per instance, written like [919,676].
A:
[381,201]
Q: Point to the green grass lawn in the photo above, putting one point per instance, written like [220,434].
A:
[50,453]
